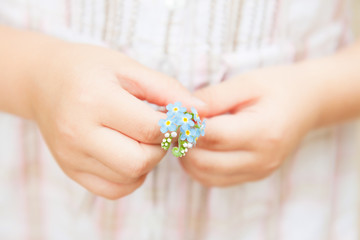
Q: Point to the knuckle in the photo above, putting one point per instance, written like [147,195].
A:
[211,140]
[273,138]
[115,177]
[63,157]
[65,127]
[139,168]
[273,165]
[201,165]
[82,100]
[265,171]
[68,131]
[200,179]
[196,175]
[149,133]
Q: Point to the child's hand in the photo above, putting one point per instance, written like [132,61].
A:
[86,101]
[269,110]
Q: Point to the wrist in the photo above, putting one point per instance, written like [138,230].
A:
[24,57]
[334,82]
[308,82]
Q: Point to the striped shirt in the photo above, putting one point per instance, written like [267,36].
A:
[313,196]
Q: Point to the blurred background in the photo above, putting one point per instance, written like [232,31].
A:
[356,23]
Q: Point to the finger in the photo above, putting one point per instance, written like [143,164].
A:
[214,180]
[157,88]
[230,132]
[80,161]
[222,163]
[105,188]
[125,113]
[94,167]
[121,153]
[228,95]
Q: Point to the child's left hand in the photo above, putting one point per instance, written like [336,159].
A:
[269,110]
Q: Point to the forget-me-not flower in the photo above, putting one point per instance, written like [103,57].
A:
[167,125]
[188,134]
[174,109]
[202,128]
[185,120]
[196,115]
[190,126]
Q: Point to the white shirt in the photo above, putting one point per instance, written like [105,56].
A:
[314,196]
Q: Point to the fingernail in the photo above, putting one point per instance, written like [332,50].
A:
[198,102]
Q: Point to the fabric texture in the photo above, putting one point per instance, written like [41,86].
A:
[313,196]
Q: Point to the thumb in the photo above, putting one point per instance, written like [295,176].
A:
[227,96]
[159,89]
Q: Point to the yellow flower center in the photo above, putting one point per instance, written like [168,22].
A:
[185,119]
[196,139]
[187,132]
[175,109]
[197,115]
[168,123]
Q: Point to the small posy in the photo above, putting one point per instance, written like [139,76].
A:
[187,126]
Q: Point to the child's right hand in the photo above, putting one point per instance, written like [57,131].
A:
[87,102]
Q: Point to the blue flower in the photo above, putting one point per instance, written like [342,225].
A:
[202,128]
[188,134]
[185,120]
[196,134]
[196,115]
[174,109]
[191,128]
[167,125]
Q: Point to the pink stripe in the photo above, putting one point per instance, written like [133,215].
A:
[100,223]
[335,183]
[32,200]
[41,181]
[32,172]
[285,189]
[275,20]
[339,9]
[181,215]
[22,154]
[68,12]
[22,183]
[119,220]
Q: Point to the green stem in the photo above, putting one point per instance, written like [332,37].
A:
[179,142]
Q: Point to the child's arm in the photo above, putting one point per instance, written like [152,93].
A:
[336,80]
[21,54]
